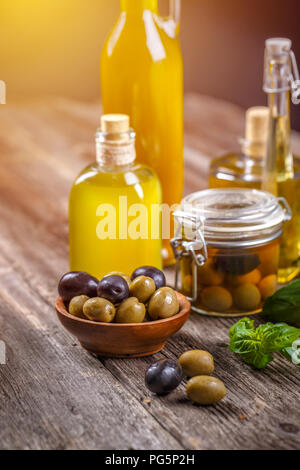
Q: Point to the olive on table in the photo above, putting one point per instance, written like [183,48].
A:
[99,310]
[163,376]
[131,311]
[142,288]
[76,305]
[268,286]
[247,297]
[205,390]
[113,288]
[196,362]
[149,271]
[163,304]
[77,283]
[216,298]
[124,276]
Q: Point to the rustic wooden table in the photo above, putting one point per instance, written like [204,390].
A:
[53,394]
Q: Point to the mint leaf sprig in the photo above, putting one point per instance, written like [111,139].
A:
[256,345]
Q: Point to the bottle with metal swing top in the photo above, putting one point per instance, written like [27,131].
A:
[114,207]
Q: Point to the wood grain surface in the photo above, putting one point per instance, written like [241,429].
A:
[53,394]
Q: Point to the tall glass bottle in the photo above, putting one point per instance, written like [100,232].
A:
[114,221]
[142,76]
[279,177]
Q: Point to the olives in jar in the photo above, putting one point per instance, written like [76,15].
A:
[208,276]
[131,311]
[163,376]
[77,283]
[124,276]
[113,288]
[76,305]
[142,288]
[268,286]
[196,362]
[99,310]
[163,304]
[149,271]
[247,297]
[216,298]
[205,390]
[237,265]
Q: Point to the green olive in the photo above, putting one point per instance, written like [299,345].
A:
[131,311]
[217,299]
[124,276]
[142,288]
[99,310]
[205,390]
[268,286]
[247,297]
[163,304]
[76,305]
[196,362]
[207,275]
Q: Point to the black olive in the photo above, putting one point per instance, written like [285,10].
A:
[113,288]
[77,283]
[236,265]
[149,271]
[163,376]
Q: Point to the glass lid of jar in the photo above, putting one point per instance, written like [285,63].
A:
[233,210]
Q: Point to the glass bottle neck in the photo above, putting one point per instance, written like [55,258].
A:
[136,7]
[115,150]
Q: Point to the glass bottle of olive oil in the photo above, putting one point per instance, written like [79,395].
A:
[279,176]
[114,207]
[142,76]
[244,169]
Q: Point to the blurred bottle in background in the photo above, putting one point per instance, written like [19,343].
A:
[244,169]
[142,76]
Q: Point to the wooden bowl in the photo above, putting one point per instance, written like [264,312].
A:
[123,340]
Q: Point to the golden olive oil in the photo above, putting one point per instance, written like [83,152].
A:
[114,222]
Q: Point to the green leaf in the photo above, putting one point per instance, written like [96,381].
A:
[256,345]
[284,305]
[280,336]
[258,359]
[245,324]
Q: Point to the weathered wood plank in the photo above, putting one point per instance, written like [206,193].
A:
[53,394]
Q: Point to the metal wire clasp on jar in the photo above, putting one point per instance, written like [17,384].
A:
[227,249]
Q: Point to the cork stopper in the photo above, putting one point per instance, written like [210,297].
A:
[257,128]
[115,141]
[115,123]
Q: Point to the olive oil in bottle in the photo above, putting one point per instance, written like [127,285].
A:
[114,217]
[279,176]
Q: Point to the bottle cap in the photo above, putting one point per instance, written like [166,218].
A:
[257,128]
[278,46]
[115,123]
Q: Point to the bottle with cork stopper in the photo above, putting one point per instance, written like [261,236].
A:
[244,168]
[115,207]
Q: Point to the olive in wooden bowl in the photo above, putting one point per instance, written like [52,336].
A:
[124,339]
